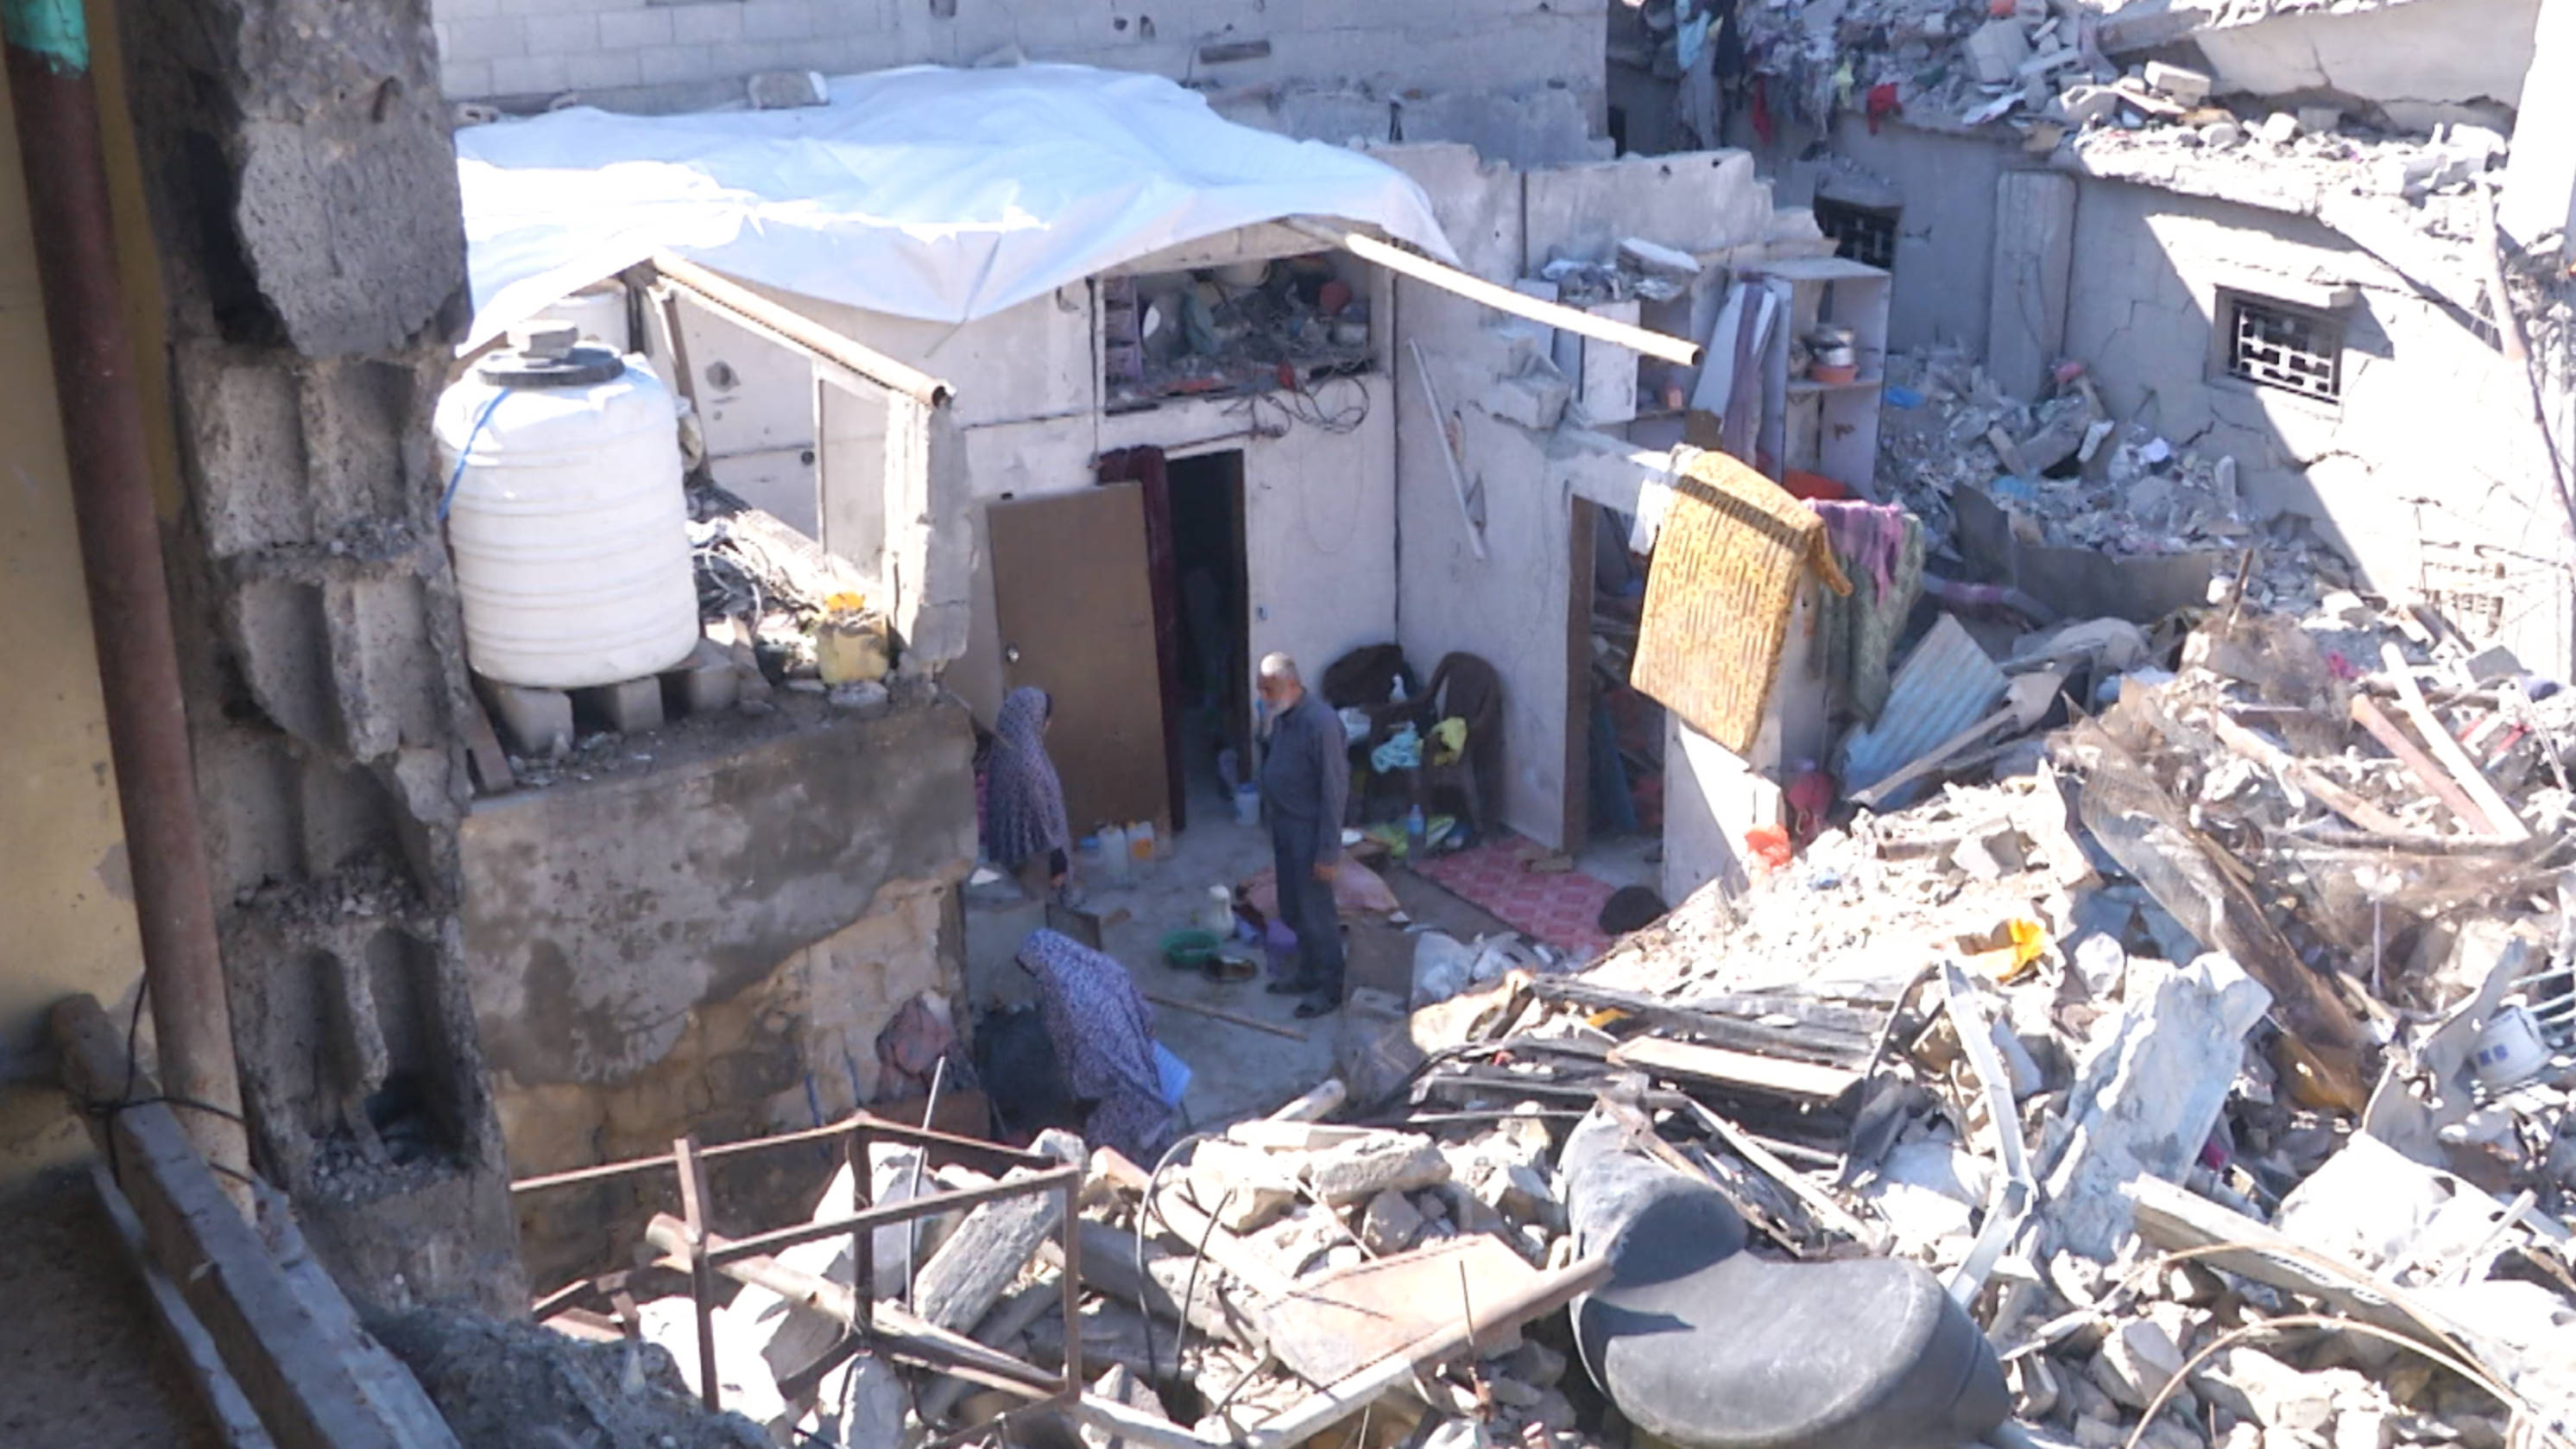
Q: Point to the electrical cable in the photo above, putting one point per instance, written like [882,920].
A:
[465,452]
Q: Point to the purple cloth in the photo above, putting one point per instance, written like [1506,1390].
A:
[1104,1043]
[1864,536]
[1023,799]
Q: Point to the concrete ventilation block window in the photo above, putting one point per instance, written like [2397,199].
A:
[1864,234]
[2278,345]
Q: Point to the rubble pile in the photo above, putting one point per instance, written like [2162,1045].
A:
[2059,74]
[2068,475]
[2188,1069]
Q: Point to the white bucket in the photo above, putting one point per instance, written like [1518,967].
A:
[2510,1049]
[1247,805]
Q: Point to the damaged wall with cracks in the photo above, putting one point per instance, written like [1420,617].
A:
[303,195]
[1517,78]
[709,946]
[2427,471]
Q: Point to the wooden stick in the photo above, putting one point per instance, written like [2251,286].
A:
[748,308]
[2299,773]
[2427,772]
[2501,819]
[1448,454]
[1818,1201]
[1501,299]
[1319,1102]
[1219,1014]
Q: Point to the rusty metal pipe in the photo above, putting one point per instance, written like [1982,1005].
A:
[56,103]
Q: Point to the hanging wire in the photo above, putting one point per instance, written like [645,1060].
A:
[467,451]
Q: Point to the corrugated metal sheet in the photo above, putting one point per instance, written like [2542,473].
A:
[1944,686]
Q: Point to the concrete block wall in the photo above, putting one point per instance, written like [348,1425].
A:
[710,947]
[319,637]
[1522,77]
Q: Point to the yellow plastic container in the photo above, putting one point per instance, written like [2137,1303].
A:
[850,644]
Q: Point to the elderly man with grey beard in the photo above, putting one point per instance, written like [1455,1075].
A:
[1305,780]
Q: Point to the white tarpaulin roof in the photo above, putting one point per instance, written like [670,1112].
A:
[923,192]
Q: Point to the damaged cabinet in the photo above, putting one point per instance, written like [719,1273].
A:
[1833,353]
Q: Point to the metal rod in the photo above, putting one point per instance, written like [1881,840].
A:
[901,1212]
[920,1160]
[55,98]
[693,1221]
[1071,1230]
[877,1126]
[863,1242]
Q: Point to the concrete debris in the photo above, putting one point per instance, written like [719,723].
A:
[2206,927]
[1381,1162]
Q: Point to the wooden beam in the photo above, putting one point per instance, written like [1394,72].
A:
[1501,299]
[304,1373]
[235,1422]
[1769,1076]
[2427,772]
[1347,1396]
[794,329]
[2300,775]
[2501,819]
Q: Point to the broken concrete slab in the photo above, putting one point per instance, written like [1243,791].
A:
[1996,49]
[1244,1188]
[1390,1161]
[2148,1091]
[1391,1224]
[2187,87]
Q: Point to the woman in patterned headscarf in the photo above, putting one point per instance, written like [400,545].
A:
[1104,1043]
[1024,825]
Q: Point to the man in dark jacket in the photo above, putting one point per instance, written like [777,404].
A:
[1305,778]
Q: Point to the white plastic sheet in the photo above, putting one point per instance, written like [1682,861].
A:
[924,192]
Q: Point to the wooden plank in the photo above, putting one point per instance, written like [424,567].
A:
[1346,1397]
[300,1372]
[235,1422]
[1692,1062]
[2300,775]
[971,1271]
[2422,766]
[2501,819]
[1816,1200]
[1335,1324]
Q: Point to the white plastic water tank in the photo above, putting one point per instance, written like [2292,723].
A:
[568,521]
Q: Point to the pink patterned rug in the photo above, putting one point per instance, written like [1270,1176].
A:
[1561,908]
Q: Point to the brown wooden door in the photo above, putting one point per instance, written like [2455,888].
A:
[1076,616]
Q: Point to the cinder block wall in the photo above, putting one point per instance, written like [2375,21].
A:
[1523,78]
[324,679]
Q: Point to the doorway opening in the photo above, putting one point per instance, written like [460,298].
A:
[1615,734]
[1210,590]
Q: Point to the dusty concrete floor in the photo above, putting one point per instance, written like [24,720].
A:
[1236,1071]
[82,1362]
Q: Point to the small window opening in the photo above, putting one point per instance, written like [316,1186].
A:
[2277,345]
[1864,234]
